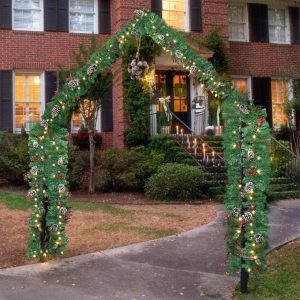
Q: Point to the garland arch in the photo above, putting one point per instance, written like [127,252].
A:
[246,141]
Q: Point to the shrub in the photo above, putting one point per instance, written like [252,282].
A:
[14,157]
[175,181]
[121,170]
[280,157]
[168,147]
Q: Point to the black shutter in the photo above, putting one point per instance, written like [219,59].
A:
[104,17]
[6,101]
[258,23]
[50,85]
[50,15]
[196,15]
[63,15]
[107,111]
[156,7]
[6,14]
[296,91]
[295,24]
[56,15]
[262,95]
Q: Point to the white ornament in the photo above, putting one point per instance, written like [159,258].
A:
[249,186]
[259,238]
[247,216]
[92,69]
[73,83]
[235,212]
[60,161]
[44,123]
[139,12]
[63,210]
[178,53]
[35,144]
[34,170]
[251,154]
[32,193]
[61,188]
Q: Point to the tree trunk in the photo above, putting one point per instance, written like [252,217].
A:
[92,162]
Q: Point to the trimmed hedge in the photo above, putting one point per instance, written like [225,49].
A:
[173,182]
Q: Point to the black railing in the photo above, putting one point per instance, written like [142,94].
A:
[285,161]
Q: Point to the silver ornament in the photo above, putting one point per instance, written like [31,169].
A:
[235,212]
[73,83]
[60,161]
[92,69]
[139,12]
[32,193]
[247,216]
[259,238]
[63,210]
[34,170]
[61,188]
[251,154]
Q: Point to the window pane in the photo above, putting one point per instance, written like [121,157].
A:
[240,85]
[277,25]
[77,120]
[27,14]
[173,12]
[237,23]
[279,103]
[28,100]
[82,15]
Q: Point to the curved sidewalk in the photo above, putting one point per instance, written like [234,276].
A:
[188,266]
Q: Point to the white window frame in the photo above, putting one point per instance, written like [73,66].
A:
[41,28]
[186,16]
[96,20]
[42,91]
[289,94]
[287,26]
[246,23]
[249,83]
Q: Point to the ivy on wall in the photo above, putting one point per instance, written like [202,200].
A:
[246,149]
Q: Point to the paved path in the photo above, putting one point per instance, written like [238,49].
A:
[188,266]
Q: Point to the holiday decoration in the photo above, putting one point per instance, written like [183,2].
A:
[249,186]
[34,170]
[247,216]
[138,69]
[246,130]
[55,111]
[91,69]
[35,144]
[139,12]
[259,238]
[60,161]
[235,212]
[63,211]
[42,210]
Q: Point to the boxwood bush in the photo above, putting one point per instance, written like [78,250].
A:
[173,182]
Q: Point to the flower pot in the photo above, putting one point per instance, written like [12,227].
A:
[219,130]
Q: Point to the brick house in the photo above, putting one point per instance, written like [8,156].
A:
[263,39]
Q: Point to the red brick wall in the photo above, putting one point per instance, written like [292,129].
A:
[264,59]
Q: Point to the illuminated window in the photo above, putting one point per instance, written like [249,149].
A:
[180,93]
[77,121]
[28,100]
[237,23]
[240,84]
[278,25]
[28,14]
[174,12]
[83,16]
[279,103]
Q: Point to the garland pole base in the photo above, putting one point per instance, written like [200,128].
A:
[244,281]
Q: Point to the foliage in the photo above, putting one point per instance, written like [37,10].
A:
[282,279]
[50,140]
[14,158]
[169,149]
[175,181]
[14,201]
[125,170]
[219,60]
[137,93]
[279,157]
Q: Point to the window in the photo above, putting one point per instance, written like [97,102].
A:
[279,103]
[83,16]
[77,121]
[28,100]
[28,14]
[180,93]
[174,12]
[242,84]
[278,25]
[237,23]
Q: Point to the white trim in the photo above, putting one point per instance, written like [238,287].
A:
[96,20]
[287,26]
[246,24]
[187,16]
[41,28]
[42,92]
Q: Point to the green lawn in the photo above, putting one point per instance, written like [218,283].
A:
[282,280]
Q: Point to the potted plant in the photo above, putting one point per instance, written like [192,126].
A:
[165,116]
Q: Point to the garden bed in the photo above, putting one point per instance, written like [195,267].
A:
[97,226]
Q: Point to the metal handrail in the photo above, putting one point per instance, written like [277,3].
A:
[284,147]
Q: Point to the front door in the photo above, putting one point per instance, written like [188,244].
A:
[176,85]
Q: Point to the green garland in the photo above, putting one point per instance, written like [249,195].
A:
[246,130]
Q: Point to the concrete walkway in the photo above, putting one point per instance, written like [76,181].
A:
[188,266]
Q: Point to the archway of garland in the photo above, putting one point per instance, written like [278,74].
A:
[246,142]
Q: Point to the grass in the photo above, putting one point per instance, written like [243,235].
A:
[152,232]
[282,278]
[18,202]
[14,201]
